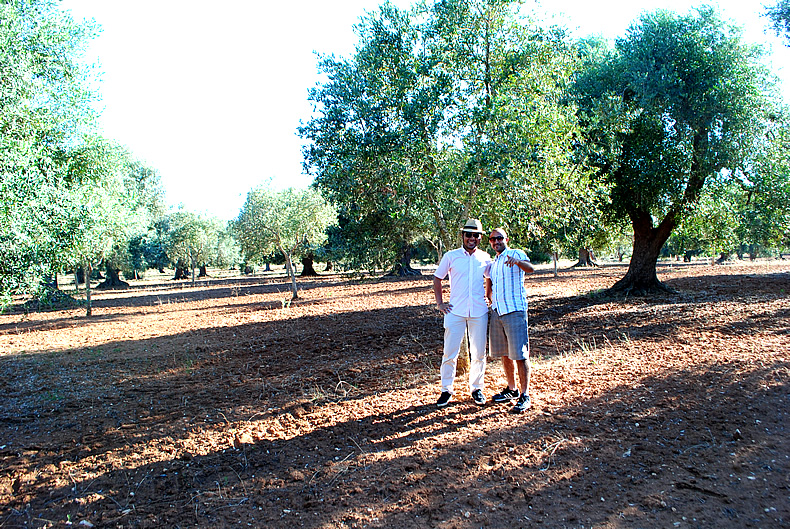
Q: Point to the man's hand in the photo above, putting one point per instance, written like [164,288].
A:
[523,264]
[444,308]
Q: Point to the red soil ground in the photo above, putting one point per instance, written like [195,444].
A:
[221,405]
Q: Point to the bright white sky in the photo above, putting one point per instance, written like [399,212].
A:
[211,93]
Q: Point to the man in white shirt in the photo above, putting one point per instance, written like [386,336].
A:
[508,336]
[467,309]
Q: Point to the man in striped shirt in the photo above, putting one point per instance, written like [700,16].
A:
[508,336]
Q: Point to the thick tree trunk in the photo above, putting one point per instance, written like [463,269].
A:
[113,280]
[307,266]
[329,267]
[586,258]
[403,266]
[641,278]
[202,271]
[182,272]
[87,273]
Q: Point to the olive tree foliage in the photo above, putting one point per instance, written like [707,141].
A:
[712,226]
[779,16]
[763,190]
[747,212]
[375,133]
[519,125]
[88,223]
[44,109]
[289,221]
[92,220]
[191,241]
[677,101]
[443,113]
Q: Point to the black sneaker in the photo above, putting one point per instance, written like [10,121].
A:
[444,399]
[506,395]
[521,405]
[478,397]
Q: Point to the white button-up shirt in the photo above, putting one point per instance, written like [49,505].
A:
[467,287]
[507,283]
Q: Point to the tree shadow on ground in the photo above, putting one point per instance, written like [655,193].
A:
[636,452]
[140,299]
[154,439]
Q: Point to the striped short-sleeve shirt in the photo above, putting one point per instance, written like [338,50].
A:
[507,283]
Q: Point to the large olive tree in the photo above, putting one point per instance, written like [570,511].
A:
[450,111]
[44,109]
[678,100]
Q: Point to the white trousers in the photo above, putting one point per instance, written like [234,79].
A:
[454,330]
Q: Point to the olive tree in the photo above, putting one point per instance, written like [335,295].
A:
[287,221]
[443,113]
[676,102]
[44,110]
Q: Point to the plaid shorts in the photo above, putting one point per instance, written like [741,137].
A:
[508,335]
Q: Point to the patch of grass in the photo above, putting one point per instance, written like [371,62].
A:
[53,395]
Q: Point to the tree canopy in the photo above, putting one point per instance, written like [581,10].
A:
[678,100]
[448,111]
[779,15]
[287,221]
[68,197]
[44,110]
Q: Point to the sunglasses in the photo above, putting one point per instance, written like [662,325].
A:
[471,235]
[497,238]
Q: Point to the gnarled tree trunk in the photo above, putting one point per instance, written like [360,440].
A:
[113,280]
[586,258]
[403,266]
[641,278]
[182,272]
[307,266]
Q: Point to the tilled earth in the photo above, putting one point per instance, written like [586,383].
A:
[224,405]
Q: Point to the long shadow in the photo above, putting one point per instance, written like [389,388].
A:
[673,431]
[185,294]
[555,318]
